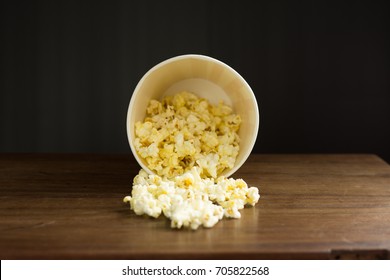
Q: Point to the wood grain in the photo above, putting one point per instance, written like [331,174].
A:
[69,206]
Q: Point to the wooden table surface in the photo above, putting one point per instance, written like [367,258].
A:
[69,206]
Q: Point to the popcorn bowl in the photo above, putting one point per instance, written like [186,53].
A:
[206,77]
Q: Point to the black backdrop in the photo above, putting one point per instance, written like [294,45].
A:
[320,71]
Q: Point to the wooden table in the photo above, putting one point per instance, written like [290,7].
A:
[69,206]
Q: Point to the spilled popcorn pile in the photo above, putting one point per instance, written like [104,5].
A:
[188,142]
[189,200]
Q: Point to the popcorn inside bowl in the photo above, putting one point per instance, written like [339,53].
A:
[188,142]
[183,131]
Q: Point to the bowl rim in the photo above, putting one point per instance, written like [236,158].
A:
[251,145]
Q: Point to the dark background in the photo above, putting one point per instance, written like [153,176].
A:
[320,71]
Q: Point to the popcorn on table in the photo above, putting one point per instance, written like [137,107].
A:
[189,200]
[188,143]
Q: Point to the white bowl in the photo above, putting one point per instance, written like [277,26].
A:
[208,78]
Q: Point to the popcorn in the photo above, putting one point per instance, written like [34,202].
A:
[183,131]
[188,143]
[189,200]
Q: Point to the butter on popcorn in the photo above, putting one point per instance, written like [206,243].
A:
[183,131]
[189,200]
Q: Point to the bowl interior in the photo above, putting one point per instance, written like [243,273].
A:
[207,78]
